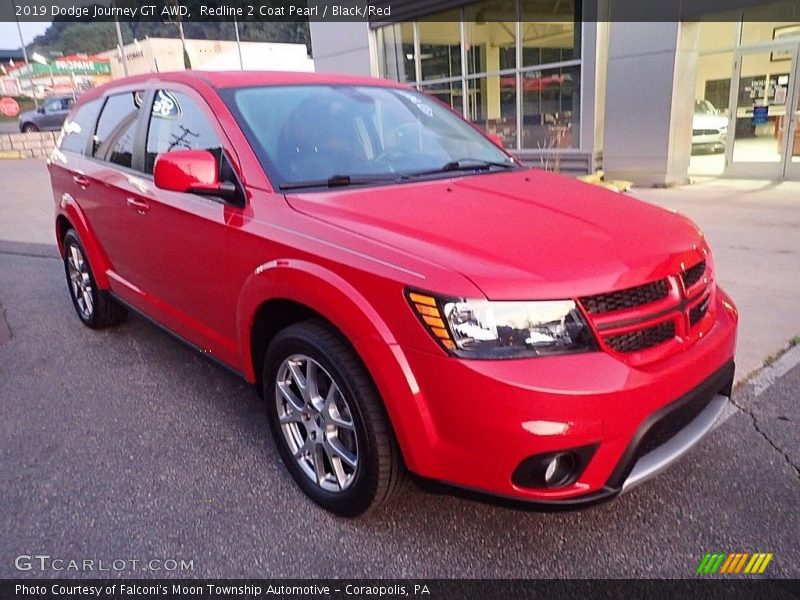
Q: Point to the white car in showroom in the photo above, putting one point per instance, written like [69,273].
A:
[709,127]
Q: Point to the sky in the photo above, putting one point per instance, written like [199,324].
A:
[9,36]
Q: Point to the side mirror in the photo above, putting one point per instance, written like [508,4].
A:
[498,141]
[40,110]
[193,172]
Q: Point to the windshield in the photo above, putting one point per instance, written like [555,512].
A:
[704,107]
[310,135]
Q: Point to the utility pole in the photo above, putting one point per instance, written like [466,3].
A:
[238,43]
[24,50]
[121,47]
[187,64]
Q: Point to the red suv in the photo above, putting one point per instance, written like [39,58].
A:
[402,292]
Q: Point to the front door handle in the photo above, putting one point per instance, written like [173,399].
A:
[139,206]
[81,180]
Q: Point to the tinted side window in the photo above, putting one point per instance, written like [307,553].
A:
[78,129]
[52,106]
[177,123]
[116,128]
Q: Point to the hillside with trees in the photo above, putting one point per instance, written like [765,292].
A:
[92,37]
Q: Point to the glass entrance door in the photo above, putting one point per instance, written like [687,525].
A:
[763,119]
[792,168]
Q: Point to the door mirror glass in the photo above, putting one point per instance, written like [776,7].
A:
[191,171]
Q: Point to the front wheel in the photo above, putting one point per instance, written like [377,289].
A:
[328,421]
[29,128]
[95,307]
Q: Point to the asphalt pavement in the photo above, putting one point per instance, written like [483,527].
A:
[124,444]
[9,127]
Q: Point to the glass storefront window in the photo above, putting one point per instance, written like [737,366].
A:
[714,79]
[745,106]
[712,93]
[549,31]
[490,36]
[551,108]
[440,46]
[718,35]
[451,93]
[396,49]
[494,60]
[492,104]
[761,109]
[771,23]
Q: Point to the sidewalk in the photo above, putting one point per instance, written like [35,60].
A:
[26,202]
[753,228]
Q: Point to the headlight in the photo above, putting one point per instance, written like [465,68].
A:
[487,329]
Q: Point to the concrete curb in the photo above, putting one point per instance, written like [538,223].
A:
[763,379]
[28,249]
[12,154]
[768,375]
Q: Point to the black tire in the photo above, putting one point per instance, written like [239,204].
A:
[104,310]
[380,470]
[29,128]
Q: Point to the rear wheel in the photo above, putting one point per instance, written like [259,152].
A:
[95,307]
[328,421]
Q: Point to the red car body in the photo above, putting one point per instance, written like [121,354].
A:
[217,275]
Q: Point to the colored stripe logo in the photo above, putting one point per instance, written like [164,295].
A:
[733,564]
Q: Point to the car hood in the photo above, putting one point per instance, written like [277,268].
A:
[517,235]
[28,114]
[709,121]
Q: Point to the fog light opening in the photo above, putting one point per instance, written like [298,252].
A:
[560,469]
[551,470]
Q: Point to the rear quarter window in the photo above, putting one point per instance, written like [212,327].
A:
[79,128]
[116,128]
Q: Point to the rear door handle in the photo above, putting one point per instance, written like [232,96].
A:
[139,206]
[81,180]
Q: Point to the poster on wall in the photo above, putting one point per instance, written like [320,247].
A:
[760,115]
[784,34]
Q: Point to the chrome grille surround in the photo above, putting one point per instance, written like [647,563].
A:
[647,316]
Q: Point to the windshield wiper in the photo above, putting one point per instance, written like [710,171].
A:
[466,164]
[339,181]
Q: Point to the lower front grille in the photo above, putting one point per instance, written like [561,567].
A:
[672,423]
[643,338]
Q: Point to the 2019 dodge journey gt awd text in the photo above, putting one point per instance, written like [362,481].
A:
[402,292]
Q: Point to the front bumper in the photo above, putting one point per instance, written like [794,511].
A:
[484,418]
[640,462]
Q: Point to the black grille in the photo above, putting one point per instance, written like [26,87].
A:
[629,298]
[698,312]
[644,338]
[694,274]
[705,131]
[668,426]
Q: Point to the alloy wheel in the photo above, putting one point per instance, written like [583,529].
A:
[317,423]
[80,281]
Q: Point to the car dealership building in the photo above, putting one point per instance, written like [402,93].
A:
[650,97]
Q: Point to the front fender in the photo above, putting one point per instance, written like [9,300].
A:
[69,209]
[330,295]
